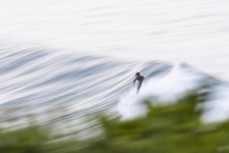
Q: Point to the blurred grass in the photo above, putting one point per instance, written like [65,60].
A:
[174,128]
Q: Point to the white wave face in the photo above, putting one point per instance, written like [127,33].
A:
[162,89]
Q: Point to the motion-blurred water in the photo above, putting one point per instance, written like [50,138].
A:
[80,56]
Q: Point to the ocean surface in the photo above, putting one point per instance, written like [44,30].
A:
[63,60]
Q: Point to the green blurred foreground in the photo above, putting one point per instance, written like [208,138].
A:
[173,128]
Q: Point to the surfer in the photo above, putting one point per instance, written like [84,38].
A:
[140,79]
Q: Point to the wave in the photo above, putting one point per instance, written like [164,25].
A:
[39,81]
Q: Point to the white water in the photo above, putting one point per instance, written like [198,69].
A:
[169,88]
[161,89]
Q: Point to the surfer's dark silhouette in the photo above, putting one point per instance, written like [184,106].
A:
[140,79]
